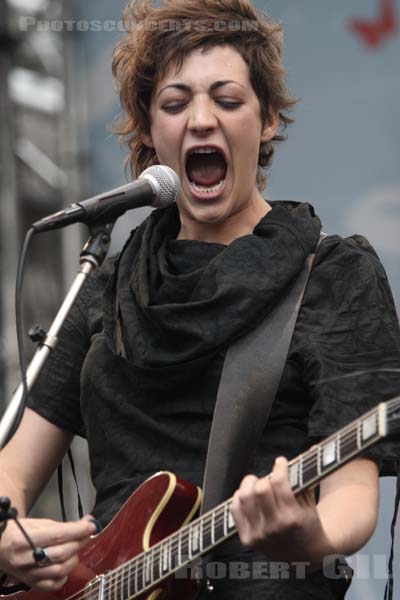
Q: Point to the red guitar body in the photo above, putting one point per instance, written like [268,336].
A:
[160,506]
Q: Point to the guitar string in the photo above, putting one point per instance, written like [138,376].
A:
[178,537]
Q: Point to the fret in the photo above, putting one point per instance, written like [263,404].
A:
[124,583]
[163,558]
[190,544]
[195,545]
[207,537]
[369,427]
[118,590]
[349,442]
[310,467]
[136,575]
[382,416]
[101,580]
[129,589]
[184,545]
[148,563]
[294,474]
[94,590]
[120,585]
[319,460]
[201,527]
[226,518]
[219,523]
[301,471]
[170,549]
[180,547]
[170,553]
[111,585]
[213,527]
[359,444]
[115,585]
[107,585]
[107,591]
[143,573]
[230,522]
[156,574]
[139,573]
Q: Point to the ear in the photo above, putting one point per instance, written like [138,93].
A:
[147,140]
[271,126]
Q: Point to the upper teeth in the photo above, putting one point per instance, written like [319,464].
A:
[205,150]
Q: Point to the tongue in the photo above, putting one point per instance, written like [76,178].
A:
[206,169]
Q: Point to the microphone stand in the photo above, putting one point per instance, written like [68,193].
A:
[91,258]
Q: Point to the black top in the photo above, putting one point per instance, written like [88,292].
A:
[144,400]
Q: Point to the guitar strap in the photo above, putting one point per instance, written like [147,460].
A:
[250,378]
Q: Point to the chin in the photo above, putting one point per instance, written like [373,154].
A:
[211,215]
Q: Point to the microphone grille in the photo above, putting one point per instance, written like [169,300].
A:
[165,183]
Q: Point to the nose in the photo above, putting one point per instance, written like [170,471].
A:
[202,117]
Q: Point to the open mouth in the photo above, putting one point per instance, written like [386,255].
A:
[206,169]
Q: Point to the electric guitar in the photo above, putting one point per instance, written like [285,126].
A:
[146,550]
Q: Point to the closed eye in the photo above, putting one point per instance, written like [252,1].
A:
[172,108]
[228,104]
[177,106]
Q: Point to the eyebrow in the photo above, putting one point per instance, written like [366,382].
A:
[186,88]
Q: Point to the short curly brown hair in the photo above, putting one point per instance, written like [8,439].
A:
[160,35]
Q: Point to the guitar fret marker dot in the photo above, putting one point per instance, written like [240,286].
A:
[368,427]
[294,475]
[231,522]
[328,453]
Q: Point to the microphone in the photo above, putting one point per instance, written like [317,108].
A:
[157,186]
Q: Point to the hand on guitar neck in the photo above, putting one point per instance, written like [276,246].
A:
[274,521]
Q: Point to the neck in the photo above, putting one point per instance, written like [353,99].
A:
[236,225]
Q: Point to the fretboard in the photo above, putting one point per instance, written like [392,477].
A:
[182,548]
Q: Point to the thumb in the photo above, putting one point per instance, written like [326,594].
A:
[97,526]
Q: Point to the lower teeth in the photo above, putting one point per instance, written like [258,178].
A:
[208,190]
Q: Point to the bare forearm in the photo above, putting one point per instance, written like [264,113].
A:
[29,459]
[344,528]
[346,525]
[17,495]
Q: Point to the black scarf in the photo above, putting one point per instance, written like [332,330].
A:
[181,300]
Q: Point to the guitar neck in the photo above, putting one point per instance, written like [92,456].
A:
[205,533]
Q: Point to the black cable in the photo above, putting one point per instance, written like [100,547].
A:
[8,512]
[389,583]
[39,554]
[19,324]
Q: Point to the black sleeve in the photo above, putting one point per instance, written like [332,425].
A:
[56,394]
[352,350]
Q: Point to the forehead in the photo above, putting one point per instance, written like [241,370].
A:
[203,66]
